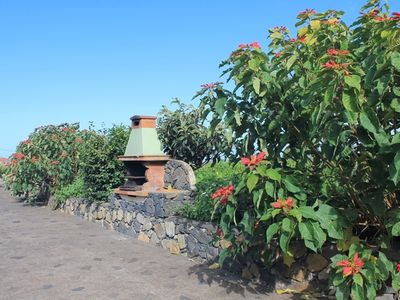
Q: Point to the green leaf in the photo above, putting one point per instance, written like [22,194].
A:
[343,291]
[395,104]
[284,241]
[396,229]
[273,174]
[357,292]
[306,231]
[353,81]
[247,223]
[220,106]
[350,102]
[291,61]
[271,231]
[237,117]
[395,60]
[369,120]
[394,169]
[270,189]
[287,225]
[396,282]
[319,235]
[329,94]
[308,212]
[256,85]
[358,279]
[291,184]
[252,181]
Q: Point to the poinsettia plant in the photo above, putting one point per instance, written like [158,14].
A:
[46,160]
[325,102]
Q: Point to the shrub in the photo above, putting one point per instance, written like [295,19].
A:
[325,104]
[208,179]
[99,166]
[45,161]
[75,189]
[184,136]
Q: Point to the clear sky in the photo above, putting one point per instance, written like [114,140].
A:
[106,60]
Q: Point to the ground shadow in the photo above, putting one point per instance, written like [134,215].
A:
[233,283]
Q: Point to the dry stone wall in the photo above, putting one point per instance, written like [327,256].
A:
[151,220]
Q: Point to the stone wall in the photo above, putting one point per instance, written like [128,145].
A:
[151,220]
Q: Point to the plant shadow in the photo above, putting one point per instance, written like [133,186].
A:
[234,284]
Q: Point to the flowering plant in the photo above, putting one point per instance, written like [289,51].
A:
[325,103]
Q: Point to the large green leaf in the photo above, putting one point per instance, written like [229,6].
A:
[394,169]
[395,60]
[256,85]
[220,106]
[273,174]
[369,120]
[271,231]
[350,101]
[396,229]
[252,181]
[353,81]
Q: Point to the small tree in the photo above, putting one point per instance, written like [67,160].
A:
[184,135]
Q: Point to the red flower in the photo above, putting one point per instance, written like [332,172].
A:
[18,156]
[14,162]
[398,267]
[78,140]
[276,204]
[54,162]
[26,142]
[223,194]
[255,45]
[308,12]
[210,86]
[331,64]
[396,16]
[286,205]
[292,40]
[278,54]
[301,39]
[282,29]
[289,202]
[254,160]
[333,21]
[334,52]
[34,158]
[242,46]
[351,267]
[381,18]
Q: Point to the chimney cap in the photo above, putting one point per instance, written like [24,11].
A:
[137,117]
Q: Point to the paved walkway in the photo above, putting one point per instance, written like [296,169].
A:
[45,254]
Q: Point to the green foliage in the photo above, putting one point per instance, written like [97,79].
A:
[209,178]
[44,162]
[2,170]
[360,274]
[184,136]
[73,190]
[325,106]
[98,161]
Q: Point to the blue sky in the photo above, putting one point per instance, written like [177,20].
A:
[106,60]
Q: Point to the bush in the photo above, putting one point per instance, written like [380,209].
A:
[208,179]
[2,170]
[184,136]
[99,166]
[325,104]
[44,162]
[72,190]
